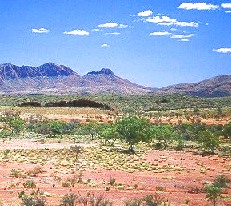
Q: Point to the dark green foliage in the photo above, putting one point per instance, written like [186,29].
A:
[34,199]
[13,122]
[68,200]
[149,200]
[164,134]
[221,181]
[209,141]
[125,103]
[90,199]
[31,201]
[133,130]
[5,133]
[213,193]
[108,133]
[91,128]
[52,128]
[214,190]
[227,131]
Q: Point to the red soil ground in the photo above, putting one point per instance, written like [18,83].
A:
[178,186]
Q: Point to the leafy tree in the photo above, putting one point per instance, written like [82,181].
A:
[52,128]
[108,132]
[209,141]
[91,128]
[221,181]
[164,134]
[213,193]
[14,122]
[133,130]
[227,131]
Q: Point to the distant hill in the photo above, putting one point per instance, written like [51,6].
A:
[51,78]
[218,86]
[10,71]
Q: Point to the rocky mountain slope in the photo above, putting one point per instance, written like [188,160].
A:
[51,78]
[215,87]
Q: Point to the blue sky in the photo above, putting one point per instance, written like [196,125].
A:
[151,42]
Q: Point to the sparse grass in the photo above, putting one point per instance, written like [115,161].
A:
[29,184]
[66,184]
[35,171]
[17,173]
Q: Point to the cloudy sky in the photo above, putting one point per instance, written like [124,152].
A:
[150,42]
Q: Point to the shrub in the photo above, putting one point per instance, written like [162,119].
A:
[16,173]
[213,193]
[112,181]
[66,184]
[209,141]
[221,181]
[149,200]
[93,200]
[133,202]
[35,171]
[68,200]
[29,184]
[30,201]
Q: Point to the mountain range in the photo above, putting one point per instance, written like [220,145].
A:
[51,78]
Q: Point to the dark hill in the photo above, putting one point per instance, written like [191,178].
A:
[218,86]
[10,71]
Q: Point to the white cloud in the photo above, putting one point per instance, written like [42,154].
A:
[113,25]
[41,30]
[95,30]
[185,40]
[173,29]
[105,45]
[223,50]
[161,19]
[160,33]
[108,25]
[182,36]
[227,11]
[113,33]
[198,6]
[122,26]
[167,21]
[145,13]
[187,24]
[77,32]
[226,5]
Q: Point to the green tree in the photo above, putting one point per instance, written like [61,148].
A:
[227,131]
[133,130]
[52,128]
[108,133]
[221,181]
[213,193]
[91,128]
[164,134]
[209,141]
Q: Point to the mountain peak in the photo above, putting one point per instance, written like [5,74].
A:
[7,65]
[10,71]
[104,71]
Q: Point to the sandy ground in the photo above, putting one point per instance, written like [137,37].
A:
[178,186]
